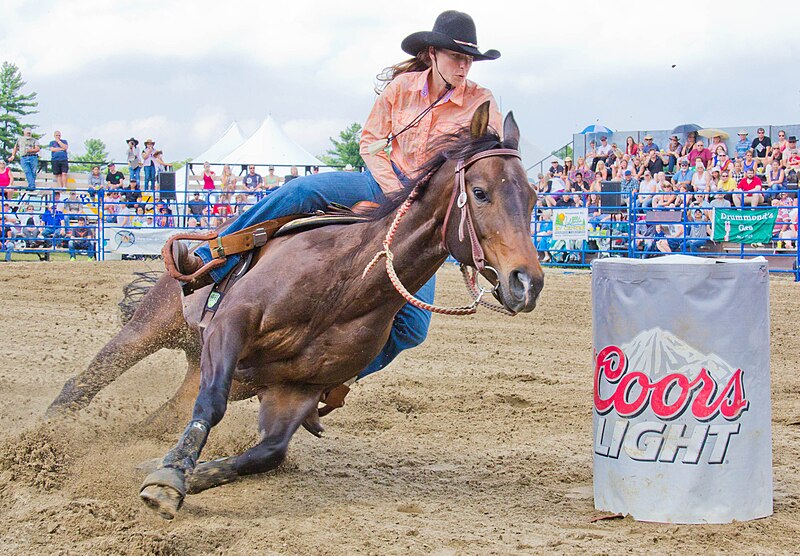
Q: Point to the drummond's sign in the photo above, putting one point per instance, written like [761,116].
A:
[744,226]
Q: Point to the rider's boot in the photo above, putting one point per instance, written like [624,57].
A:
[189,263]
[332,399]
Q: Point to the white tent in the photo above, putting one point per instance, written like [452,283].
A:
[227,143]
[224,146]
[270,145]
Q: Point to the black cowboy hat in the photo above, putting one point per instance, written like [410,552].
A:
[452,31]
[135,142]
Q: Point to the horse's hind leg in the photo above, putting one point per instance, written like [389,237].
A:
[283,409]
[157,323]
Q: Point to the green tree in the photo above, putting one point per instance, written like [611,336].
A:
[178,164]
[95,154]
[345,149]
[564,152]
[14,106]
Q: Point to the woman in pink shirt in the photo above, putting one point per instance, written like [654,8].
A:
[208,177]
[6,179]
[423,99]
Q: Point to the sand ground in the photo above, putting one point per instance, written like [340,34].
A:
[478,442]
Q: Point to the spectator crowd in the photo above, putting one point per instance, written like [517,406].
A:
[691,177]
[65,214]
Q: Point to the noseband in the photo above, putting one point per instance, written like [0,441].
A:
[459,199]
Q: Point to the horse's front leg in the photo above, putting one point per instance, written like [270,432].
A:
[283,408]
[164,489]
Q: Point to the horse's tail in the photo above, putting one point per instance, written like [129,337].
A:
[134,292]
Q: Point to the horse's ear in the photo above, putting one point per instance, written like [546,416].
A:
[510,132]
[480,121]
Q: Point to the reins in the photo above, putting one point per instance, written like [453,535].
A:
[459,199]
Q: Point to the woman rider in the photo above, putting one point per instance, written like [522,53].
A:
[425,97]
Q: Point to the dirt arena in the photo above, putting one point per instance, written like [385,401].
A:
[478,442]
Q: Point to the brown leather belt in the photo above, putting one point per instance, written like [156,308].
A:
[222,247]
[247,239]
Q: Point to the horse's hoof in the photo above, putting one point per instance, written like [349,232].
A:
[163,492]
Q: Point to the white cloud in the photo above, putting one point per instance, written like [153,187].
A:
[182,71]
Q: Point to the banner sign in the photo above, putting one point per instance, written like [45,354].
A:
[571,224]
[682,418]
[135,241]
[744,225]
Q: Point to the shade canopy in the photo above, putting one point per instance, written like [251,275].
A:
[225,145]
[270,145]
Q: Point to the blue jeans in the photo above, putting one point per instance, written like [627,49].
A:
[55,233]
[301,195]
[135,174]
[77,244]
[149,178]
[30,164]
[316,192]
[692,245]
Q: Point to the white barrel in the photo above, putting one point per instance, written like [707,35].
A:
[682,430]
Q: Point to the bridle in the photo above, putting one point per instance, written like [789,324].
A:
[466,228]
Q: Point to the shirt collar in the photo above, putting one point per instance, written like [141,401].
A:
[420,84]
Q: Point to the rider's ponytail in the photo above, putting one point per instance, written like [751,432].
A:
[420,62]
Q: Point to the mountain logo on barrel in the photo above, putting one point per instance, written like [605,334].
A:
[658,375]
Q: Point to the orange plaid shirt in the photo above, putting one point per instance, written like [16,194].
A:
[402,100]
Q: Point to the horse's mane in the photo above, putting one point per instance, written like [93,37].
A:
[451,146]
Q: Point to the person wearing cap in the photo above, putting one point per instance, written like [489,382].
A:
[27,147]
[761,145]
[699,230]
[555,168]
[649,145]
[149,165]
[431,88]
[628,186]
[569,167]
[673,152]
[603,151]
[742,145]
[683,175]
[134,159]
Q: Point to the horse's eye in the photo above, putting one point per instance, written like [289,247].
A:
[480,195]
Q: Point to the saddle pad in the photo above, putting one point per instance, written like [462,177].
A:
[317,221]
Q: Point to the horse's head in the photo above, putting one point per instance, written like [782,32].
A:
[493,197]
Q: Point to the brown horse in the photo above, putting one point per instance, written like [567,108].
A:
[303,320]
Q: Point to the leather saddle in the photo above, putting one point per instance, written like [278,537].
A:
[257,235]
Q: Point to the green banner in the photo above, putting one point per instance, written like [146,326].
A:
[744,225]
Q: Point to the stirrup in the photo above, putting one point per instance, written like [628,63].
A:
[169,260]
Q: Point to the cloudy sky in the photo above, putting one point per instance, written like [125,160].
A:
[181,71]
